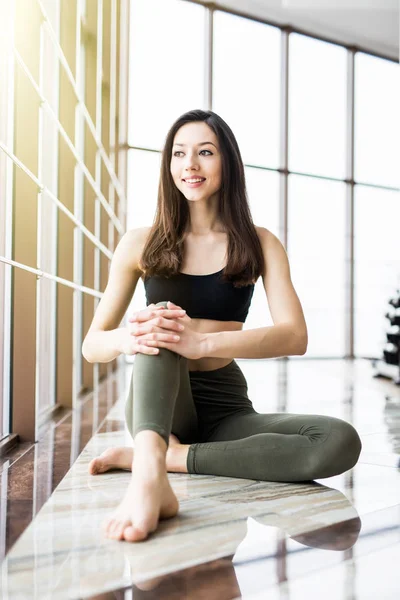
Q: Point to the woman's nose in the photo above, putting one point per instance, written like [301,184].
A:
[191,161]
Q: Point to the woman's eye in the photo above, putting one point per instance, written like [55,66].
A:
[180,152]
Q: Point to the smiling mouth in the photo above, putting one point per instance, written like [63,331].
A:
[195,184]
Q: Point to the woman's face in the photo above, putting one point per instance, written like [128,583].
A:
[192,159]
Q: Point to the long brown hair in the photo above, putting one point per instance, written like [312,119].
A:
[163,251]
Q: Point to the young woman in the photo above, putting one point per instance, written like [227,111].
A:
[187,407]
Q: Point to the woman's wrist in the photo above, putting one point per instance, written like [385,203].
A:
[119,340]
[103,346]
[205,345]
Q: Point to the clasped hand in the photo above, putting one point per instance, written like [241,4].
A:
[168,328]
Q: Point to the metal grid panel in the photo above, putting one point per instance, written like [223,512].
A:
[6,174]
[46,89]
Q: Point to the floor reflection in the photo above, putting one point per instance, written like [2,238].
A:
[238,575]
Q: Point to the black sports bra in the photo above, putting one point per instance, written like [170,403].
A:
[202,296]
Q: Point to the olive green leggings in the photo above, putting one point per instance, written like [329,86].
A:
[210,410]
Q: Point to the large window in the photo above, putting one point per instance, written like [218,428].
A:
[317,107]
[377,209]
[263,194]
[316,233]
[316,207]
[377,265]
[246,85]
[166,67]
[377,121]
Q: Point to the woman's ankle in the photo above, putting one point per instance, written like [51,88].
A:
[151,443]
[150,448]
[177,458]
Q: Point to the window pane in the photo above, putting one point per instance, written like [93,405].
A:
[317,107]
[7,171]
[316,245]
[143,178]
[263,194]
[167,67]
[4,271]
[246,75]
[377,265]
[377,121]
[47,251]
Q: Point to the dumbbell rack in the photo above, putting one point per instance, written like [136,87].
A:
[389,365]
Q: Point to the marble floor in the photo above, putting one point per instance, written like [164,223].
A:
[233,538]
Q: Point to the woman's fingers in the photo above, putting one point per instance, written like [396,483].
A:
[146,315]
[149,343]
[144,349]
[166,323]
[163,337]
[142,315]
[144,331]
[173,305]
[156,325]
[150,325]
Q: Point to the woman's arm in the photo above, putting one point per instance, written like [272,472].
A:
[104,339]
[263,342]
[103,346]
[288,335]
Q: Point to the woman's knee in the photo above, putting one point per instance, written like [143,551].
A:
[164,354]
[350,443]
[341,451]
[165,359]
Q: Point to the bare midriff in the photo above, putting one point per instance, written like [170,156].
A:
[209,326]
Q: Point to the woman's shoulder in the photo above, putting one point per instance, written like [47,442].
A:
[264,234]
[140,234]
[269,241]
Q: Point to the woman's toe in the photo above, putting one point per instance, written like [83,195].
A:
[133,534]
[96,466]
[118,531]
[114,531]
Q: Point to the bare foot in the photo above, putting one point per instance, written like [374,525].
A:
[148,498]
[112,458]
[120,457]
